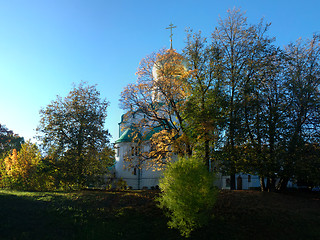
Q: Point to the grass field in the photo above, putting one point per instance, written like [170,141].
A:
[134,215]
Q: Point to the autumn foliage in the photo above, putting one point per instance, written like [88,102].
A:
[22,169]
[158,98]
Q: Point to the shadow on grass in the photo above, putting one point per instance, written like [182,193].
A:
[81,216]
[29,218]
[134,215]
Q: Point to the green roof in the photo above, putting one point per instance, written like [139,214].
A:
[153,131]
[127,135]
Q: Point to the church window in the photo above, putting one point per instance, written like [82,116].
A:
[249,178]
[134,171]
[135,151]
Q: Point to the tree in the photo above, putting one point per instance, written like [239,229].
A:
[72,130]
[156,102]
[280,112]
[263,106]
[9,140]
[204,106]
[302,83]
[307,167]
[20,168]
[240,46]
[8,169]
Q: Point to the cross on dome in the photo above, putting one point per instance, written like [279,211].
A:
[171,26]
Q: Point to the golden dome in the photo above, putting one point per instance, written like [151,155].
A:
[169,64]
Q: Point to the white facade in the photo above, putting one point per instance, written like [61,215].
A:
[135,174]
[243,181]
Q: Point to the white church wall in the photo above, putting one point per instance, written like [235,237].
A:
[135,177]
[248,181]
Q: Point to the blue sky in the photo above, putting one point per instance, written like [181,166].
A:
[46,45]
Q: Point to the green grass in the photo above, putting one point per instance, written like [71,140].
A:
[134,215]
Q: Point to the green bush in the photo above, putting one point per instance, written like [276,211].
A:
[121,184]
[188,193]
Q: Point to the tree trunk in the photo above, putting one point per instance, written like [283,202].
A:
[188,150]
[282,185]
[262,185]
[232,181]
[207,154]
[271,184]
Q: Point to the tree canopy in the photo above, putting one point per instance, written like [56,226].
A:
[72,131]
[9,140]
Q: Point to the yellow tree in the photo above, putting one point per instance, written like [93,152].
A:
[10,163]
[20,168]
[28,158]
[158,98]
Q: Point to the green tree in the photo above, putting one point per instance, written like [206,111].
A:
[301,76]
[72,131]
[241,46]
[263,106]
[188,193]
[280,112]
[9,140]
[307,168]
[204,105]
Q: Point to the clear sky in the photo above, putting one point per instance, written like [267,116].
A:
[46,45]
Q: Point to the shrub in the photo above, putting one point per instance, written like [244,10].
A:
[188,193]
[121,184]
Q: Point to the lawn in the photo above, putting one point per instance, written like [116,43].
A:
[134,215]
